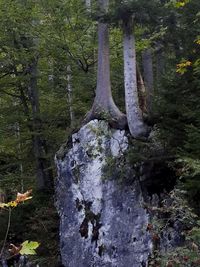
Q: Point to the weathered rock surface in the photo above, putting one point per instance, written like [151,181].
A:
[102,220]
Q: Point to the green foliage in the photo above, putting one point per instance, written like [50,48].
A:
[144,11]
[174,208]
[177,116]
[28,248]
[187,255]
[179,3]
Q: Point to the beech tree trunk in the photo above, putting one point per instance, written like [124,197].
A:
[147,63]
[88,5]
[104,106]
[133,111]
[69,95]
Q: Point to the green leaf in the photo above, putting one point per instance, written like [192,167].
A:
[29,247]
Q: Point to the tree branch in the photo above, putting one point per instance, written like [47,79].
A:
[8,93]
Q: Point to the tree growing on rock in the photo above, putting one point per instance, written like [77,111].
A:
[129,13]
[104,106]
[134,113]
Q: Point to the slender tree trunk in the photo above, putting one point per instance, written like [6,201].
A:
[88,5]
[160,65]
[147,63]
[44,176]
[19,148]
[133,111]
[37,146]
[69,95]
[18,135]
[104,106]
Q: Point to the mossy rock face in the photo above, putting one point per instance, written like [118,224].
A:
[102,219]
[64,148]
[108,184]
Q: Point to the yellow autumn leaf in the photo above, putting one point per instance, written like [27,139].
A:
[181,3]
[3,205]
[184,64]
[21,197]
[12,204]
[181,68]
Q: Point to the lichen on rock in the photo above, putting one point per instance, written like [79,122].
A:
[102,222]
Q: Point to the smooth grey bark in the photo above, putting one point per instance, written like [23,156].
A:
[69,95]
[88,5]
[147,63]
[104,106]
[134,115]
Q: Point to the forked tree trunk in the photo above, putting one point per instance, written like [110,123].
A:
[133,111]
[147,63]
[104,106]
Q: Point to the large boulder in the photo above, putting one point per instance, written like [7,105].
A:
[102,218]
